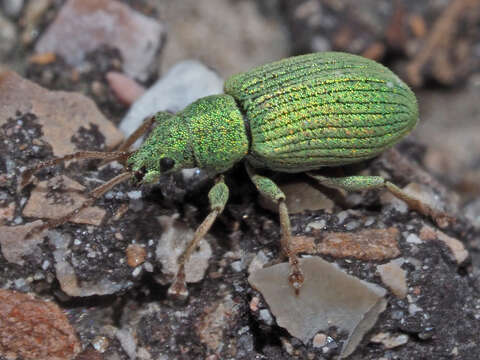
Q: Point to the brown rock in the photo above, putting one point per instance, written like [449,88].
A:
[126,89]
[66,198]
[60,113]
[34,329]
[319,340]
[33,14]
[394,277]
[210,326]
[368,244]
[460,254]
[375,51]
[85,25]
[89,354]
[417,25]
[304,244]
[254,303]
[135,255]
[7,212]
[13,242]
[43,59]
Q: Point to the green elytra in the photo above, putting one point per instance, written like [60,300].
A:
[294,115]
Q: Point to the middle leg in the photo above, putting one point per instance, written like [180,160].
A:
[270,190]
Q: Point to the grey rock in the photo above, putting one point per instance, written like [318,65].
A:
[184,83]
[13,245]
[8,36]
[175,237]
[394,277]
[67,278]
[85,25]
[329,297]
[12,8]
[472,212]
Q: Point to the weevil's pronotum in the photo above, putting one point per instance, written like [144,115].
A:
[294,115]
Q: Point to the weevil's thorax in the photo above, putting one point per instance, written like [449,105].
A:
[166,150]
[218,136]
[209,134]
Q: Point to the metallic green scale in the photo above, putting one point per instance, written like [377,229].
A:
[209,134]
[293,115]
[321,110]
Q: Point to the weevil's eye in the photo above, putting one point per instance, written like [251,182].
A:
[166,164]
[139,174]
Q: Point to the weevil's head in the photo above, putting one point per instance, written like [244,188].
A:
[165,151]
[209,134]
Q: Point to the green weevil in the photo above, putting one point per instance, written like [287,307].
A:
[294,115]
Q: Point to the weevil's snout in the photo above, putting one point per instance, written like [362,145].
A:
[139,175]
[166,150]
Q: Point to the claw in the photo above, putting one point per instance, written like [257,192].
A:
[178,290]
[296,280]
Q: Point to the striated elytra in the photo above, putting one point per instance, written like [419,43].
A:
[294,115]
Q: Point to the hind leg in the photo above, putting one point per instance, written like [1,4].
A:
[356,183]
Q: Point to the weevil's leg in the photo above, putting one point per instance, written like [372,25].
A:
[114,155]
[355,183]
[270,190]
[218,196]
[92,197]
[137,134]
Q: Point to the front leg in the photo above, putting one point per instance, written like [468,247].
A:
[356,183]
[218,196]
[270,190]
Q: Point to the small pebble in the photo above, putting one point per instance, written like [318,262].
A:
[136,271]
[319,340]
[414,239]
[351,225]
[136,255]
[125,88]
[148,266]
[237,266]
[316,225]
[135,195]
[45,265]
[254,303]
[266,316]
[100,343]
[342,216]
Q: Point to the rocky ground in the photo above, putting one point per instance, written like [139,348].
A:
[80,75]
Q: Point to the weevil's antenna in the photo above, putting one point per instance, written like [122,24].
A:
[114,155]
[92,197]
[137,134]
[141,130]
